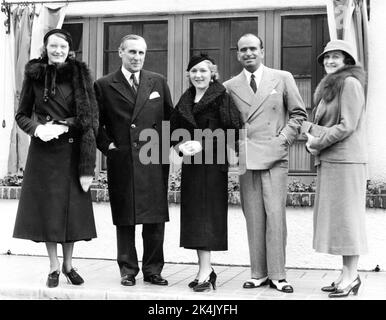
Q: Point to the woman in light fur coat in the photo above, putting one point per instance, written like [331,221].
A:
[337,140]
[58,110]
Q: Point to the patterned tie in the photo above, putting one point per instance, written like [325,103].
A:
[135,83]
[253,83]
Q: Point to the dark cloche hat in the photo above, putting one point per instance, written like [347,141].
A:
[66,34]
[197,59]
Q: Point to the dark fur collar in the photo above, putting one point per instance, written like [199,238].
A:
[330,86]
[186,102]
[36,69]
[78,74]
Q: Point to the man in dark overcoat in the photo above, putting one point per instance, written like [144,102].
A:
[132,100]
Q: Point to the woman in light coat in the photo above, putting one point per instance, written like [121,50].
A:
[337,139]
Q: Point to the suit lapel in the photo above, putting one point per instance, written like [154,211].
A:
[121,85]
[242,89]
[267,83]
[146,84]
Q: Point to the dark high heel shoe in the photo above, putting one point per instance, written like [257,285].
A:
[193,283]
[353,286]
[73,277]
[205,286]
[331,288]
[53,279]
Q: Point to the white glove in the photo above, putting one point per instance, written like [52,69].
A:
[50,131]
[310,139]
[85,182]
[190,148]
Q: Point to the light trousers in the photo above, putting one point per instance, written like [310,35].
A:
[263,200]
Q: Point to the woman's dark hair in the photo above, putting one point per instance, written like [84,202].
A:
[348,60]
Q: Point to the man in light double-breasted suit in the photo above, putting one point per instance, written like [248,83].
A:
[272,112]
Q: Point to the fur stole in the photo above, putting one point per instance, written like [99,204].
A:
[215,97]
[331,85]
[86,111]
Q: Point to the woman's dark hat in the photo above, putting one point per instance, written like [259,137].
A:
[341,45]
[66,34]
[197,59]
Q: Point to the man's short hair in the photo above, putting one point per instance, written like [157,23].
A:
[247,35]
[130,37]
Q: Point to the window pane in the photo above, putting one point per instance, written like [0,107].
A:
[112,62]
[296,31]
[76,31]
[156,61]
[241,27]
[114,33]
[155,35]
[297,61]
[205,34]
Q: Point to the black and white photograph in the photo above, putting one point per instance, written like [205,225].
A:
[193,158]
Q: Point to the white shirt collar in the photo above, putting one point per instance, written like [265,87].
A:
[258,74]
[128,74]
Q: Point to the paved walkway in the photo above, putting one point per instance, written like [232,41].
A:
[24,277]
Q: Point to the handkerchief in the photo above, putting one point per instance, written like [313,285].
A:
[154,95]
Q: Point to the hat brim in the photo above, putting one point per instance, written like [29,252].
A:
[321,56]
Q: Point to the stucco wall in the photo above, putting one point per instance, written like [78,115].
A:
[376,102]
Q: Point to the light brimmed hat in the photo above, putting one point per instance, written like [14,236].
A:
[341,45]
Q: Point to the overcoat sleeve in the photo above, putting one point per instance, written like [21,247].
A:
[352,102]
[23,115]
[103,141]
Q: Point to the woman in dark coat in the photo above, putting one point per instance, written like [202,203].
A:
[58,110]
[204,184]
[337,137]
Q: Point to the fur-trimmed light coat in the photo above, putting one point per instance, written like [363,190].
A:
[53,206]
[339,118]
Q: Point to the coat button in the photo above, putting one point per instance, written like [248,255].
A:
[133,126]
[48,118]
[135,144]
[70,140]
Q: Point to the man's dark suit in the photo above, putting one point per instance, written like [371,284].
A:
[138,192]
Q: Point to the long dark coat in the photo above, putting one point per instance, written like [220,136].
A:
[53,207]
[204,186]
[137,190]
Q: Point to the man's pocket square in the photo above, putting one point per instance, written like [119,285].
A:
[154,95]
[273,91]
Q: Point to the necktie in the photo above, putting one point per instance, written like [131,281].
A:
[253,83]
[135,83]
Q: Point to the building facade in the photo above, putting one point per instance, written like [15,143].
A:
[294,32]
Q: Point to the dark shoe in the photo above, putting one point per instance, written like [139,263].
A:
[73,277]
[284,286]
[255,283]
[128,280]
[193,283]
[156,279]
[53,279]
[353,286]
[205,285]
[330,288]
